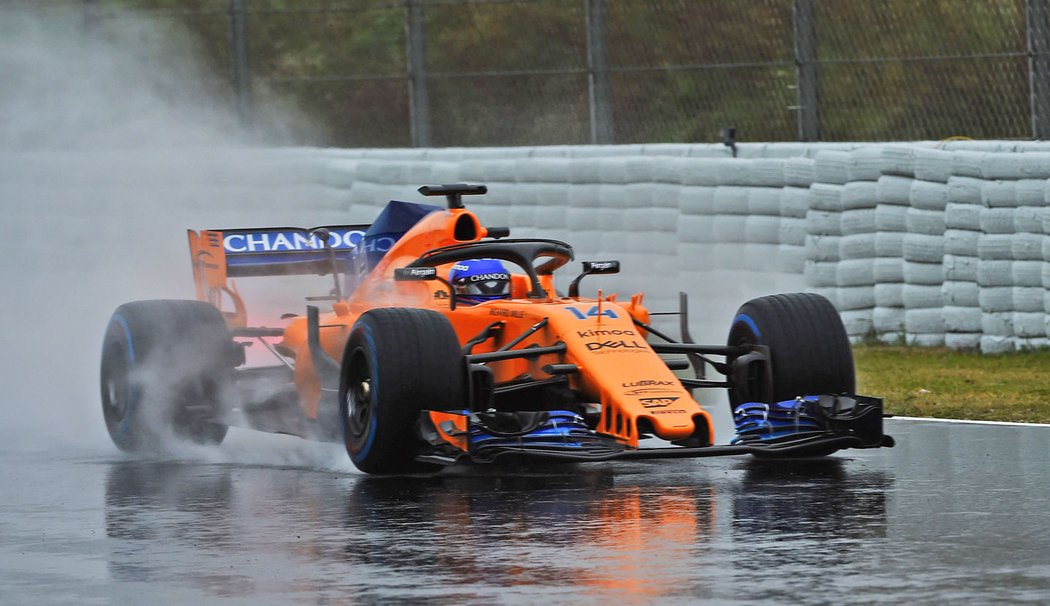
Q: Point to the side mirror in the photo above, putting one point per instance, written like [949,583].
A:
[415,274]
[593,267]
[424,274]
[601,267]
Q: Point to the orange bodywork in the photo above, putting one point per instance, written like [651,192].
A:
[618,369]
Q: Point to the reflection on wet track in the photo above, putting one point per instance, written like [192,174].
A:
[954,513]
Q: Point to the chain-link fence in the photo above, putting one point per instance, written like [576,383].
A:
[533,72]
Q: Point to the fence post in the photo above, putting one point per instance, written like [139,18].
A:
[242,75]
[602,131]
[92,15]
[806,70]
[1037,17]
[418,96]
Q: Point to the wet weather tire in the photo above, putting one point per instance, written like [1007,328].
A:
[809,350]
[165,366]
[397,363]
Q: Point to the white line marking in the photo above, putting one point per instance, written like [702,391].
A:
[969,422]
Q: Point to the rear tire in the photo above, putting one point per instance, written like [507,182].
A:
[809,350]
[165,366]
[397,363]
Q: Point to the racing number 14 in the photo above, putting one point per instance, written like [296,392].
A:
[592,313]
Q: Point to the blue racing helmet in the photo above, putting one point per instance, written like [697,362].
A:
[478,280]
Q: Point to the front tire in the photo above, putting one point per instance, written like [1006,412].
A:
[397,363]
[809,350]
[165,366]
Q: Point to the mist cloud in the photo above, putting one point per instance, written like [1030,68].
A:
[114,140]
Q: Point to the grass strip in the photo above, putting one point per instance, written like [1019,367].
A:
[942,383]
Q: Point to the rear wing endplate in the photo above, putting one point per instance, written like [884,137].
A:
[218,255]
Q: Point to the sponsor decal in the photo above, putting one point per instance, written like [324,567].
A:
[603,347]
[649,386]
[441,294]
[602,265]
[668,412]
[590,334]
[647,390]
[648,383]
[420,272]
[657,402]
[507,313]
[294,241]
[592,313]
[487,277]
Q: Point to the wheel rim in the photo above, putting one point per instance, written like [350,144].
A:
[359,396]
[115,390]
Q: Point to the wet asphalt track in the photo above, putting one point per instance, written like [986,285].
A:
[955,513]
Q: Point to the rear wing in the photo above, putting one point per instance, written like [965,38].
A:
[218,255]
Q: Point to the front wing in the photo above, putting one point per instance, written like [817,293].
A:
[564,436]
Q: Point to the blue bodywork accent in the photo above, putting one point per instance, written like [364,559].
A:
[758,421]
[562,429]
[392,223]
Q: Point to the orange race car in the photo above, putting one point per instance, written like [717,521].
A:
[447,341]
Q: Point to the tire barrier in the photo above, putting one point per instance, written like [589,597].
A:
[928,243]
[925,243]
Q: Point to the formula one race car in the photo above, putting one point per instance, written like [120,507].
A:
[447,341]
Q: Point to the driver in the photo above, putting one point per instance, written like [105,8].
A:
[478,280]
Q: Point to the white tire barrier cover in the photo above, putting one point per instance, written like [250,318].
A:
[962,319]
[998,324]
[1028,299]
[997,220]
[960,268]
[929,196]
[921,221]
[961,294]
[894,190]
[964,190]
[889,243]
[860,194]
[962,242]
[924,321]
[858,221]
[856,297]
[917,296]
[824,196]
[794,202]
[888,269]
[822,248]
[962,341]
[917,272]
[891,217]
[923,248]
[996,298]
[820,273]
[995,247]
[858,272]
[888,319]
[962,216]
[995,273]
[857,246]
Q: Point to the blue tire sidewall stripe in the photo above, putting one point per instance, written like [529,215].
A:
[129,410]
[746,319]
[370,344]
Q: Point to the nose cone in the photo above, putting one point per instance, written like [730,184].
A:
[636,389]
